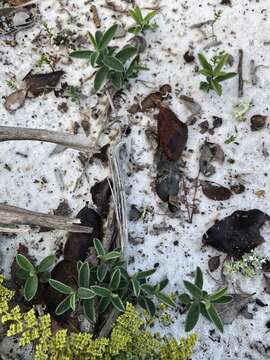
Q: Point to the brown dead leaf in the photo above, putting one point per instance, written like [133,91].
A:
[172,134]
[214,263]
[15,100]
[210,152]
[38,84]
[215,191]
[267,283]
[260,193]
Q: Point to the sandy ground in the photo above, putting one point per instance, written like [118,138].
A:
[175,248]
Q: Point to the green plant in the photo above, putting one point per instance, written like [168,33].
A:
[33,274]
[241,109]
[231,139]
[214,75]
[249,266]
[109,284]
[73,93]
[111,64]
[142,23]
[45,59]
[200,302]
[129,338]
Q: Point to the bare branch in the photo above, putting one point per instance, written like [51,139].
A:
[76,142]
[12,215]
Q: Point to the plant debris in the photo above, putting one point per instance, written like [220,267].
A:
[38,84]
[101,194]
[172,134]
[15,100]
[215,191]
[214,263]
[238,233]
[77,245]
[210,152]
[258,122]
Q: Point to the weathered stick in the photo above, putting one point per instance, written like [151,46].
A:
[240,74]
[18,216]
[76,142]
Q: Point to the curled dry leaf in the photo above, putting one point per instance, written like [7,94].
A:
[38,84]
[152,100]
[238,233]
[77,245]
[15,100]
[214,263]
[172,134]
[101,194]
[66,272]
[193,106]
[215,191]
[229,312]
[258,122]
[210,152]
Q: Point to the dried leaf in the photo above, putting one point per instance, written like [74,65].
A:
[215,191]
[210,152]
[63,209]
[214,263]
[193,106]
[15,100]
[168,177]
[229,312]
[258,122]
[38,84]
[238,233]
[172,134]
[101,194]
[77,245]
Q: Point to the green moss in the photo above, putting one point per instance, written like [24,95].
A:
[129,339]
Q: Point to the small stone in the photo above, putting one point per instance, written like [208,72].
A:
[258,122]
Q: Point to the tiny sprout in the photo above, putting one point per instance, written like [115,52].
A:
[142,23]
[214,76]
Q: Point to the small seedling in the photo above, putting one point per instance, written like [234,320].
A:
[214,75]
[45,59]
[73,93]
[200,302]
[249,266]
[109,285]
[111,64]
[142,23]
[231,139]
[33,274]
[241,109]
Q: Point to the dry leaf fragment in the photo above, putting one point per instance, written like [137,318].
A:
[258,122]
[210,152]
[238,233]
[172,134]
[215,191]
[260,193]
[15,100]
[214,263]
[38,84]
[101,194]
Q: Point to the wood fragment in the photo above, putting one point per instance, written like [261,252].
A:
[77,142]
[240,74]
[96,18]
[12,215]
[213,43]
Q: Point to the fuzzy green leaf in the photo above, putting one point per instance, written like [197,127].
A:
[216,86]
[93,58]
[215,318]
[89,309]
[107,37]
[147,304]
[145,274]
[150,16]
[192,316]
[115,280]
[93,40]
[114,64]
[166,300]
[98,37]
[148,289]
[199,277]
[136,287]
[221,64]
[46,263]
[24,263]
[22,274]
[117,80]
[85,293]
[100,291]
[63,306]
[81,54]
[72,301]
[204,63]
[30,287]
[102,271]
[225,76]
[84,274]
[223,300]
[60,287]
[100,77]
[218,294]
[193,289]
[126,53]
[185,299]
[111,255]
[99,247]
[204,86]
[117,302]
[104,303]
[206,72]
